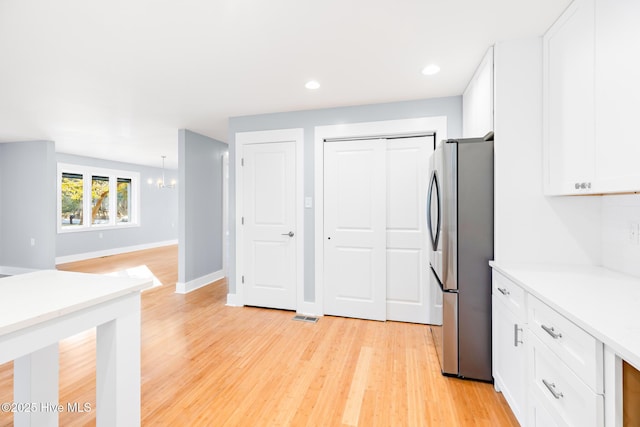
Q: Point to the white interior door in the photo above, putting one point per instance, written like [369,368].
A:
[355,228]
[375,248]
[269,218]
[408,297]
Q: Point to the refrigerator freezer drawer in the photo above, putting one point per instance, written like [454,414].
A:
[449,357]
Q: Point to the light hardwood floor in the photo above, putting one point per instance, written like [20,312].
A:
[206,364]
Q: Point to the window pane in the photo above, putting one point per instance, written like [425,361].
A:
[72,190]
[99,200]
[124,200]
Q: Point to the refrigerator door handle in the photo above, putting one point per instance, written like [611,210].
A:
[434,186]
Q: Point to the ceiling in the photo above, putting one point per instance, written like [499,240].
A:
[117,79]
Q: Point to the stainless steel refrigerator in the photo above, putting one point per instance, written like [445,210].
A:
[460,223]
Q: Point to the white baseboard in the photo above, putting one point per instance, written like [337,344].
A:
[14,271]
[192,285]
[114,251]
[305,308]
[234,300]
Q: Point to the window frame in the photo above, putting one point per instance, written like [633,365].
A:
[88,172]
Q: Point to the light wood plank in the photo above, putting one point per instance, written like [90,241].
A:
[358,387]
[204,364]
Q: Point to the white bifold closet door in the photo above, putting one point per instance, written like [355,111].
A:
[375,242]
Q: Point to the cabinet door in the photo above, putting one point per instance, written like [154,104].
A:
[509,363]
[617,95]
[569,139]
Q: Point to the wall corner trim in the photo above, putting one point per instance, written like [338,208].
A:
[234,300]
[192,285]
[310,309]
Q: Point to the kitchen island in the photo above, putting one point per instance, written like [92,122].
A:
[39,309]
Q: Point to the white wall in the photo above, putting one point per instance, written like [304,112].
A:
[529,226]
[477,100]
[619,251]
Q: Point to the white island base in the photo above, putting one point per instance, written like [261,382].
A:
[37,310]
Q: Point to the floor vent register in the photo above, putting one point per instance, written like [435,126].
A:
[308,319]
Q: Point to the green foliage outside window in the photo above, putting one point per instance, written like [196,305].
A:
[123,207]
[72,198]
[99,200]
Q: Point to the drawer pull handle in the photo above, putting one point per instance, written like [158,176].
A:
[516,341]
[504,291]
[551,332]
[552,388]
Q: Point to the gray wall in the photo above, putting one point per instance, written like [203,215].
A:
[158,212]
[200,233]
[28,210]
[449,106]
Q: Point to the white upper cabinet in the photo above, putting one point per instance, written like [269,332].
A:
[617,95]
[569,132]
[477,100]
[591,99]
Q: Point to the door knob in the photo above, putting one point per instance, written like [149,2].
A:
[290,234]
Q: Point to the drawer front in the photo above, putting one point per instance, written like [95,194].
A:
[509,293]
[561,392]
[575,347]
[539,416]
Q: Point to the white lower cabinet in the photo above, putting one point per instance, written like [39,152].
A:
[538,415]
[549,370]
[509,355]
[565,396]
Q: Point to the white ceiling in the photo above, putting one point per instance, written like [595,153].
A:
[117,79]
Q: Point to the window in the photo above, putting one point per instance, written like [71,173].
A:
[100,200]
[84,190]
[72,192]
[124,199]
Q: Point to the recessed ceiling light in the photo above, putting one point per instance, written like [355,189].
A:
[312,84]
[430,70]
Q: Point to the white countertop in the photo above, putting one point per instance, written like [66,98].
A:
[29,299]
[603,302]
